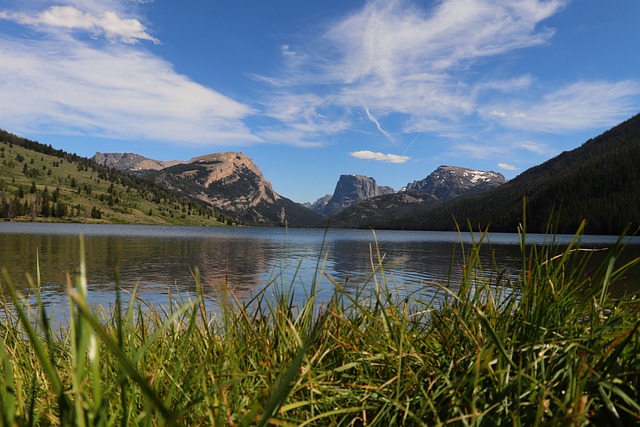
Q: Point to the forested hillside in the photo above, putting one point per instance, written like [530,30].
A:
[40,183]
[599,182]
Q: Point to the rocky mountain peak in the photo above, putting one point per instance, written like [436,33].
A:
[222,166]
[130,162]
[352,189]
[447,182]
[229,182]
[319,204]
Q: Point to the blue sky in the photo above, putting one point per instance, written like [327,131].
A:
[311,90]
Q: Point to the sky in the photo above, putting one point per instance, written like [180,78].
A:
[311,90]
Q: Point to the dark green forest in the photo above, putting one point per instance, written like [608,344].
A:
[598,182]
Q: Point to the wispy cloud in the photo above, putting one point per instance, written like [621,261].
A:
[412,67]
[534,147]
[72,85]
[107,23]
[382,157]
[378,126]
[508,167]
[420,63]
[304,119]
[395,57]
[577,106]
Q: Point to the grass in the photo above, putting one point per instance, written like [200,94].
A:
[81,187]
[550,348]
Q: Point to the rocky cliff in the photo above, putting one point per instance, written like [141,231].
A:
[319,204]
[445,183]
[352,189]
[448,182]
[229,182]
[129,162]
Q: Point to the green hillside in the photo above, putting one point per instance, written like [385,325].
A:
[40,183]
[599,182]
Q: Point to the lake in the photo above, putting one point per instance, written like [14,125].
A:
[162,260]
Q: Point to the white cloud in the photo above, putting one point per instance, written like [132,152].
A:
[382,157]
[393,40]
[399,57]
[302,119]
[285,49]
[120,91]
[534,147]
[578,106]
[508,167]
[107,23]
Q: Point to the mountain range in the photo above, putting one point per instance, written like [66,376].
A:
[597,181]
[443,184]
[231,183]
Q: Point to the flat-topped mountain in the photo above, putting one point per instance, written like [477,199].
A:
[229,181]
[352,189]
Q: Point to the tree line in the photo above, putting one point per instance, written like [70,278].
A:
[16,201]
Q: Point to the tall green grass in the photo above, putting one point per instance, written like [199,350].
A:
[547,348]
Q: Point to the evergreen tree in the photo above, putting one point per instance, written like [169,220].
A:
[46,209]
[61,210]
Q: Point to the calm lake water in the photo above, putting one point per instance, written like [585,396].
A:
[161,260]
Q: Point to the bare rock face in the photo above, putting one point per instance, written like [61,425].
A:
[445,183]
[232,183]
[448,182]
[130,162]
[352,189]
[229,182]
[319,204]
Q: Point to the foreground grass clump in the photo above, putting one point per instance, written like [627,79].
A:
[548,348]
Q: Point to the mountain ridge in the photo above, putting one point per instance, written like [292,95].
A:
[227,181]
[598,181]
[444,183]
[352,189]
[130,161]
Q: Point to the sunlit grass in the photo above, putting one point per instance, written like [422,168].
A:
[550,348]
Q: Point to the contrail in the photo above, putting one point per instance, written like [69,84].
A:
[375,121]
[411,143]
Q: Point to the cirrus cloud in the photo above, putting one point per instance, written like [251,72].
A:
[397,57]
[421,68]
[576,106]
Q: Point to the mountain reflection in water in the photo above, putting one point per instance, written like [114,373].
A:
[158,261]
